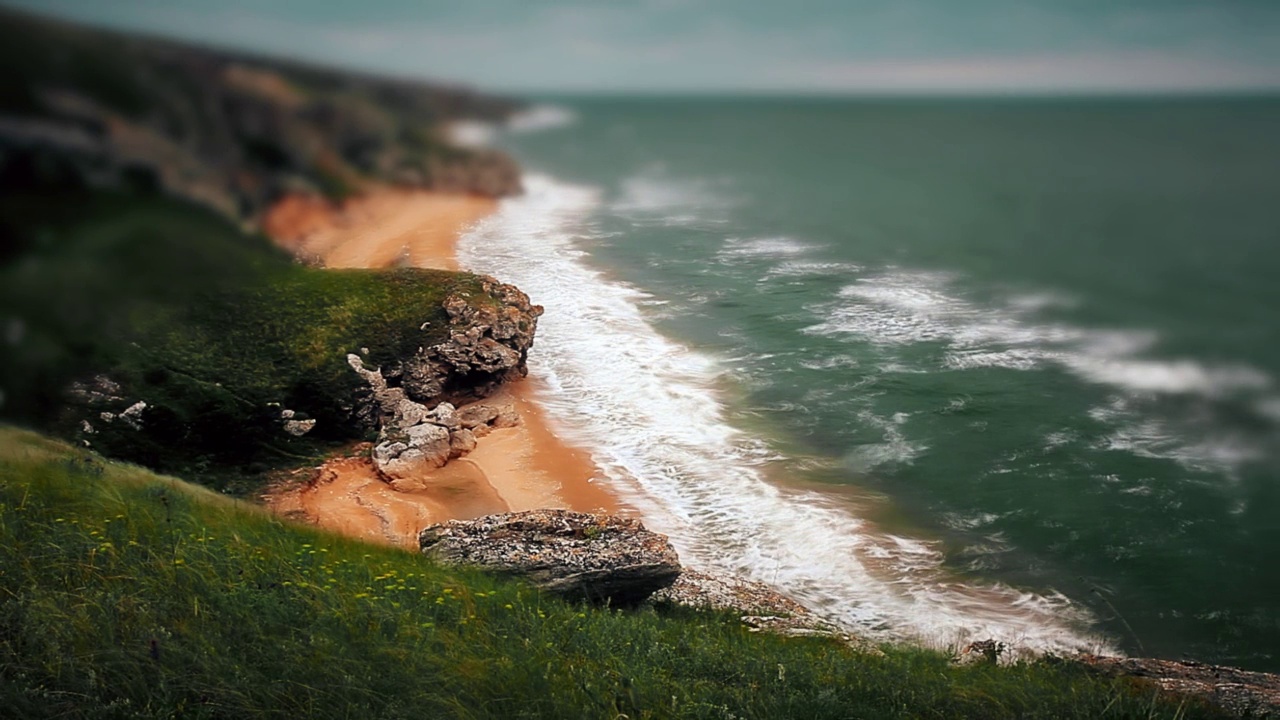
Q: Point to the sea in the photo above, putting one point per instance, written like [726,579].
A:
[941,369]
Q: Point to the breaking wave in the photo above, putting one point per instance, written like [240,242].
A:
[647,409]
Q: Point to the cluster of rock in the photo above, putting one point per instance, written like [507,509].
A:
[100,393]
[412,404]
[417,440]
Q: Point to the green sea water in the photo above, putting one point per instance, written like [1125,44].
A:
[1034,343]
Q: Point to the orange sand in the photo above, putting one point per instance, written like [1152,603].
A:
[413,228]
[520,468]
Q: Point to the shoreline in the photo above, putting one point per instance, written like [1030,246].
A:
[525,467]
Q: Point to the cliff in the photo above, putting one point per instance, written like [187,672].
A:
[232,132]
[152,323]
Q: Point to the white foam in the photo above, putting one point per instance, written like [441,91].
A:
[901,308]
[541,117]
[1214,449]
[647,408]
[1173,377]
[471,133]
[894,449]
[770,247]
[653,194]
[905,308]
[811,268]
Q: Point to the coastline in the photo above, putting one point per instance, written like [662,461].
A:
[517,468]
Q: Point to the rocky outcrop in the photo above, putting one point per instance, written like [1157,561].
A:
[488,343]
[1242,693]
[599,558]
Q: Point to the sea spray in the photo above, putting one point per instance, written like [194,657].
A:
[646,408]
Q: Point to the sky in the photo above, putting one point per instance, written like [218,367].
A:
[734,46]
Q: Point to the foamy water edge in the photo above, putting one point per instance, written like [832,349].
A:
[646,408]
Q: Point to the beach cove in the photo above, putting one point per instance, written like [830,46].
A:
[525,467]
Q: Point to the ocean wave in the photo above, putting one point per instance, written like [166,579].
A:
[1197,446]
[647,408]
[541,117]
[768,247]
[901,308]
[910,308]
[653,194]
[811,268]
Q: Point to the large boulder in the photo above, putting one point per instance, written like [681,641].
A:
[1239,693]
[580,556]
[760,606]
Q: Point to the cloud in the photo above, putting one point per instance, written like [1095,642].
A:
[906,46]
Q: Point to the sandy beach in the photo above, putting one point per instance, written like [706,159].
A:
[518,468]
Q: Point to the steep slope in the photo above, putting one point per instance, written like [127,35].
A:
[125,594]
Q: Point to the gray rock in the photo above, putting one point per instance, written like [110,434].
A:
[488,344]
[461,442]
[471,416]
[410,453]
[760,607]
[442,415]
[407,412]
[298,428]
[132,415]
[507,417]
[1241,693]
[600,558]
[727,592]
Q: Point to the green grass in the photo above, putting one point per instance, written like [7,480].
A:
[208,325]
[126,594]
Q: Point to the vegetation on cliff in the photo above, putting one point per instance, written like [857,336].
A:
[141,314]
[127,594]
[137,298]
[228,131]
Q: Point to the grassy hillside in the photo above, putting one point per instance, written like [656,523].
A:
[208,325]
[123,593]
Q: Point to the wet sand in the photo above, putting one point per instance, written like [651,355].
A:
[518,468]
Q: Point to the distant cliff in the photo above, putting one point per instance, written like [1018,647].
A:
[232,132]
